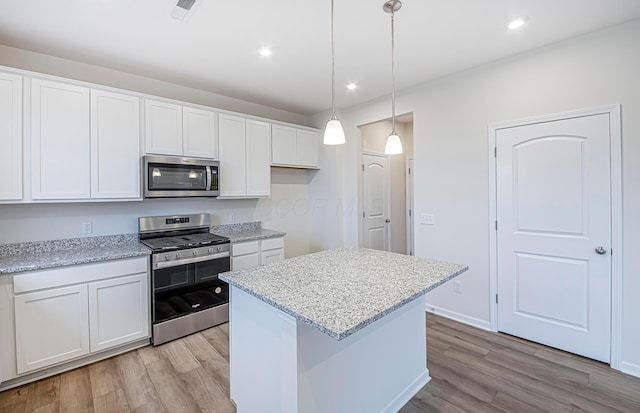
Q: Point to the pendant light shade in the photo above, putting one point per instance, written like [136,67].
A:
[333,132]
[394,145]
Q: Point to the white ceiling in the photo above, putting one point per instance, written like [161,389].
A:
[216,48]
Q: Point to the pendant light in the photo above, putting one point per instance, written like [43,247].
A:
[393,146]
[333,132]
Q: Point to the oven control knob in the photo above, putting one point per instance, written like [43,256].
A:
[210,250]
[178,255]
[166,257]
[194,253]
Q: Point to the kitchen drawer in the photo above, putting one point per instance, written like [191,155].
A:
[58,277]
[243,248]
[245,261]
[272,243]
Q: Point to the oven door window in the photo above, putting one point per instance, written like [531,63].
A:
[172,277]
[163,177]
[209,270]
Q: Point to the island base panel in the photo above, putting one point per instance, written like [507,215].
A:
[279,364]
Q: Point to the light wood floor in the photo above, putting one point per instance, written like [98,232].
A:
[472,371]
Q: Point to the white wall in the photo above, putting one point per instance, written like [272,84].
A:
[55,66]
[287,210]
[451,155]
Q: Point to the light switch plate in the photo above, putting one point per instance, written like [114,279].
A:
[427,219]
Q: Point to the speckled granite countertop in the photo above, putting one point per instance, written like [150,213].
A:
[30,256]
[247,231]
[343,290]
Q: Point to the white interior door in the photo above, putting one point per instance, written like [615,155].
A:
[375,184]
[554,233]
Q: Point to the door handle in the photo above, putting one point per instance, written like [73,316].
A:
[387,220]
[601,250]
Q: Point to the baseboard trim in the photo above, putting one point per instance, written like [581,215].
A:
[630,368]
[472,321]
[70,365]
[407,394]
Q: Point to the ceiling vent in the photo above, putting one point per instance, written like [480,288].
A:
[182,8]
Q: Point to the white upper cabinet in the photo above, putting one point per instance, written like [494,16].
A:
[85,143]
[283,145]
[199,133]
[115,145]
[233,163]
[294,147]
[10,136]
[60,150]
[163,131]
[307,148]
[178,130]
[244,157]
[258,137]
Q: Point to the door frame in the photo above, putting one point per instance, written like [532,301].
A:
[614,112]
[361,217]
[409,213]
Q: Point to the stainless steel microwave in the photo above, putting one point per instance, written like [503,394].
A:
[177,177]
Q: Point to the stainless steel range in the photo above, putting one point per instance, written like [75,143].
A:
[186,295]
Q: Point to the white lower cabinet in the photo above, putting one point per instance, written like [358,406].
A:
[65,313]
[253,253]
[52,326]
[118,311]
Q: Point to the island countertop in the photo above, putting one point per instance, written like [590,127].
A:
[343,290]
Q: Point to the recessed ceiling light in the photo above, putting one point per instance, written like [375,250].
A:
[352,86]
[265,52]
[517,22]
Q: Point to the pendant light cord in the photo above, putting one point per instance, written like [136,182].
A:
[333,75]
[393,77]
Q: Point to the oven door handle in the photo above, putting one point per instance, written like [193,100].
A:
[167,264]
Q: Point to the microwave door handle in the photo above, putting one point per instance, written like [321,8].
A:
[208,178]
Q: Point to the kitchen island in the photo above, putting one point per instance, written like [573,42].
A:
[335,331]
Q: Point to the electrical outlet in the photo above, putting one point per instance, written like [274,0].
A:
[232,217]
[457,286]
[427,219]
[282,214]
[87,228]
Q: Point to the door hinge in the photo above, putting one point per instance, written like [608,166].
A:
[496,224]
[362,167]
[496,298]
[362,214]
[409,171]
[495,151]
[409,212]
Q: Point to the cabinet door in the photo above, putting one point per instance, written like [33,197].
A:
[52,326]
[118,311]
[258,142]
[10,136]
[245,261]
[283,150]
[272,256]
[163,128]
[233,165]
[59,141]
[115,145]
[307,149]
[199,133]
